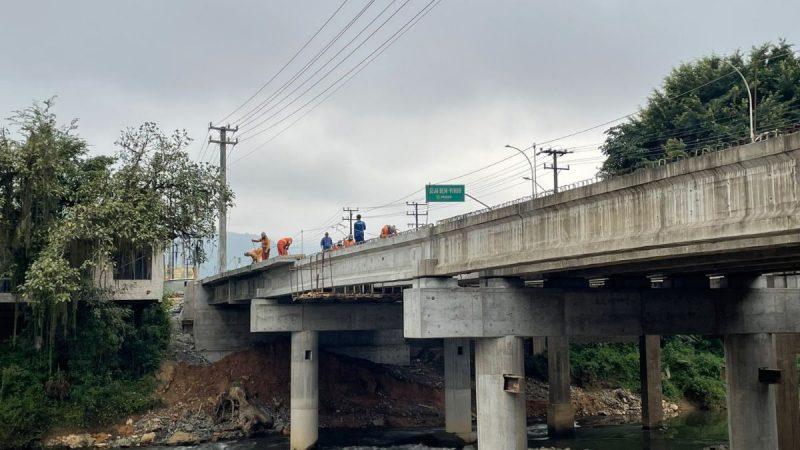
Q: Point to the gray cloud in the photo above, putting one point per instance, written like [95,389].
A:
[444,100]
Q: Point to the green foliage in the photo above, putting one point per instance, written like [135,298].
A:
[23,414]
[691,368]
[694,366]
[704,103]
[606,365]
[104,372]
[148,346]
[103,400]
[63,213]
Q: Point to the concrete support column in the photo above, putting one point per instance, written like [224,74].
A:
[751,404]
[560,417]
[539,344]
[786,401]
[458,388]
[305,390]
[500,392]
[650,376]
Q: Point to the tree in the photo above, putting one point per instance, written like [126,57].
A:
[704,104]
[64,213]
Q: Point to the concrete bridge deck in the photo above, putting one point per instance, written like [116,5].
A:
[733,210]
[704,229]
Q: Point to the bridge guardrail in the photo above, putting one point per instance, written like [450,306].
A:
[699,151]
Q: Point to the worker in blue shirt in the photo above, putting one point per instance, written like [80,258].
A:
[326,242]
[358,229]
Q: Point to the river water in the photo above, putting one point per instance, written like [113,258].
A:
[693,432]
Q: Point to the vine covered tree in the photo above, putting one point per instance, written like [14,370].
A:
[705,103]
[81,359]
[63,213]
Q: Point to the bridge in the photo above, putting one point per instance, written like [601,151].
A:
[704,245]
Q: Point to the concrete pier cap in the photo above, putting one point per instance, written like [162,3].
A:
[434,282]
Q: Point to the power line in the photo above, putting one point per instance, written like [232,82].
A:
[297,53]
[250,132]
[350,77]
[250,115]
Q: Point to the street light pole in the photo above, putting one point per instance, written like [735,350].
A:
[533,172]
[749,97]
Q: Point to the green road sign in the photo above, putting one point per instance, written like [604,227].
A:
[444,193]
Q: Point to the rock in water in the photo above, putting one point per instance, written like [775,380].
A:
[181,438]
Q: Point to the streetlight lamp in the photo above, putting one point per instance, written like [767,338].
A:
[749,96]
[533,172]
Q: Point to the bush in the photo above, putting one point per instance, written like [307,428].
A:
[147,347]
[22,417]
[100,401]
[691,368]
[694,367]
[606,365]
[102,372]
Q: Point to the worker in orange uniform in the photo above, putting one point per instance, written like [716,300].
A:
[264,240]
[257,254]
[283,246]
[349,242]
[388,230]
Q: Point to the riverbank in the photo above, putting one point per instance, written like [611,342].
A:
[354,394]
[247,394]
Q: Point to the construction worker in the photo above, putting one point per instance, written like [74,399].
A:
[264,240]
[326,243]
[358,229]
[349,242]
[283,246]
[388,230]
[257,254]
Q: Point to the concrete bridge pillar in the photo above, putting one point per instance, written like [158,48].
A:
[560,416]
[788,407]
[650,376]
[752,422]
[500,392]
[458,388]
[304,390]
[539,344]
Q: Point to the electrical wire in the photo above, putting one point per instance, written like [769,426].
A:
[245,119]
[297,53]
[249,134]
[410,25]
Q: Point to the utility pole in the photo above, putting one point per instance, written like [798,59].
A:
[350,219]
[555,154]
[223,208]
[416,212]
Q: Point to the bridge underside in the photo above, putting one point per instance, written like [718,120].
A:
[752,256]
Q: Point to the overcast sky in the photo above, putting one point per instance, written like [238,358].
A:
[442,101]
